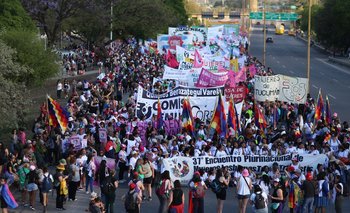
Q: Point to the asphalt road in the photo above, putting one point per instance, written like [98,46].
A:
[288,56]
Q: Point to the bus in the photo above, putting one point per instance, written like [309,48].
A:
[279,30]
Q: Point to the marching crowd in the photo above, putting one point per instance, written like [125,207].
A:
[109,103]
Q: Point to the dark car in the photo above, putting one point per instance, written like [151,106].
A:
[269,40]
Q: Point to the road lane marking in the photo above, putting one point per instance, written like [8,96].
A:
[314,86]
[335,67]
[332,96]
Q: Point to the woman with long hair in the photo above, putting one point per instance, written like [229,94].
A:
[223,184]
[177,198]
[74,180]
[44,189]
[277,197]
[148,177]
[90,170]
[163,192]
[197,194]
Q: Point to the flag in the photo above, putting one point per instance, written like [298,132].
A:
[187,118]
[234,64]
[328,113]
[171,60]
[232,119]
[259,117]
[218,121]
[198,60]
[159,115]
[319,111]
[8,197]
[58,116]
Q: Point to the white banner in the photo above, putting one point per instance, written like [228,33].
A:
[191,77]
[194,37]
[175,74]
[281,87]
[183,168]
[202,101]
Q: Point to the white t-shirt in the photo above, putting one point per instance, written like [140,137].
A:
[220,153]
[129,146]
[242,186]
[264,195]
[132,162]
[59,86]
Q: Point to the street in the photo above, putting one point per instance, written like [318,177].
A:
[287,55]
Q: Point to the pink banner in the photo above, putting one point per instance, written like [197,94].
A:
[238,93]
[209,79]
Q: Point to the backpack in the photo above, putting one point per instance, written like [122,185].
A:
[108,187]
[130,203]
[160,189]
[199,191]
[345,190]
[259,201]
[215,186]
[47,184]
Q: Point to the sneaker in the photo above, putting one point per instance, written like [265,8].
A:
[144,197]
[32,208]
[87,192]
[122,181]
[150,199]
[26,205]
[59,209]
[74,199]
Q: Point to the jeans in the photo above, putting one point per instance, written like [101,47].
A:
[163,207]
[308,204]
[89,182]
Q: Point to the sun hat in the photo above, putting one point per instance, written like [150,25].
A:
[62,162]
[60,167]
[245,173]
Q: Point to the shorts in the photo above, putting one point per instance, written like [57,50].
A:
[3,203]
[147,180]
[242,197]
[221,195]
[32,187]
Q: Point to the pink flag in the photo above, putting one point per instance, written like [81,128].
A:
[252,70]
[171,60]
[198,60]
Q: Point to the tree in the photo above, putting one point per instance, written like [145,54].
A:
[13,16]
[30,52]
[331,25]
[178,7]
[13,95]
[50,14]
[143,18]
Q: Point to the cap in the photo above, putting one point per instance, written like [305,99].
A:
[134,152]
[132,186]
[70,119]
[276,180]
[154,150]
[32,168]
[123,146]
[245,173]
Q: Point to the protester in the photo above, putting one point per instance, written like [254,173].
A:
[148,178]
[162,191]
[32,187]
[110,186]
[259,200]
[132,199]
[60,186]
[90,169]
[74,179]
[276,197]
[322,193]
[46,180]
[177,199]
[197,194]
[223,182]
[244,186]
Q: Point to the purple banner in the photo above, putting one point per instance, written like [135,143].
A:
[209,79]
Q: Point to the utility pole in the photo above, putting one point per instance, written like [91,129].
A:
[309,45]
[111,33]
[264,17]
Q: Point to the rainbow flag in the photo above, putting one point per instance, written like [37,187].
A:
[58,116]
[328,113]
[232,119]
[187,117]
[319,111]
[8,197]
[259,118]
[218,121]
[159,115]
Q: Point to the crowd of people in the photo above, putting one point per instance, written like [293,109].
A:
[107,105]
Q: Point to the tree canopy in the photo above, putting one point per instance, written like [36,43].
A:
[13,16]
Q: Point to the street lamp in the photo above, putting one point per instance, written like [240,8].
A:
[264,51]
[44,36]
[308,44]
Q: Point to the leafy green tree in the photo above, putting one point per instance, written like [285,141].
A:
[13,99]
[178,6]
[13,16]
[30,52]
[331,24]
[143,18]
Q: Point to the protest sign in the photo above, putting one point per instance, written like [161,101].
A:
[202,101]
[175,74]
[281,87]
[192,76]
[102,133]
[209,79]
[183,168]
[76,142]
[238,93]
[266,87]
[196,37]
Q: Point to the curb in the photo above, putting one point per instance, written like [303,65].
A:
[319,47]
[344,62]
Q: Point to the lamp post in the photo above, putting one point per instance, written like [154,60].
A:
[111,32]
[308,45]
[264,17]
